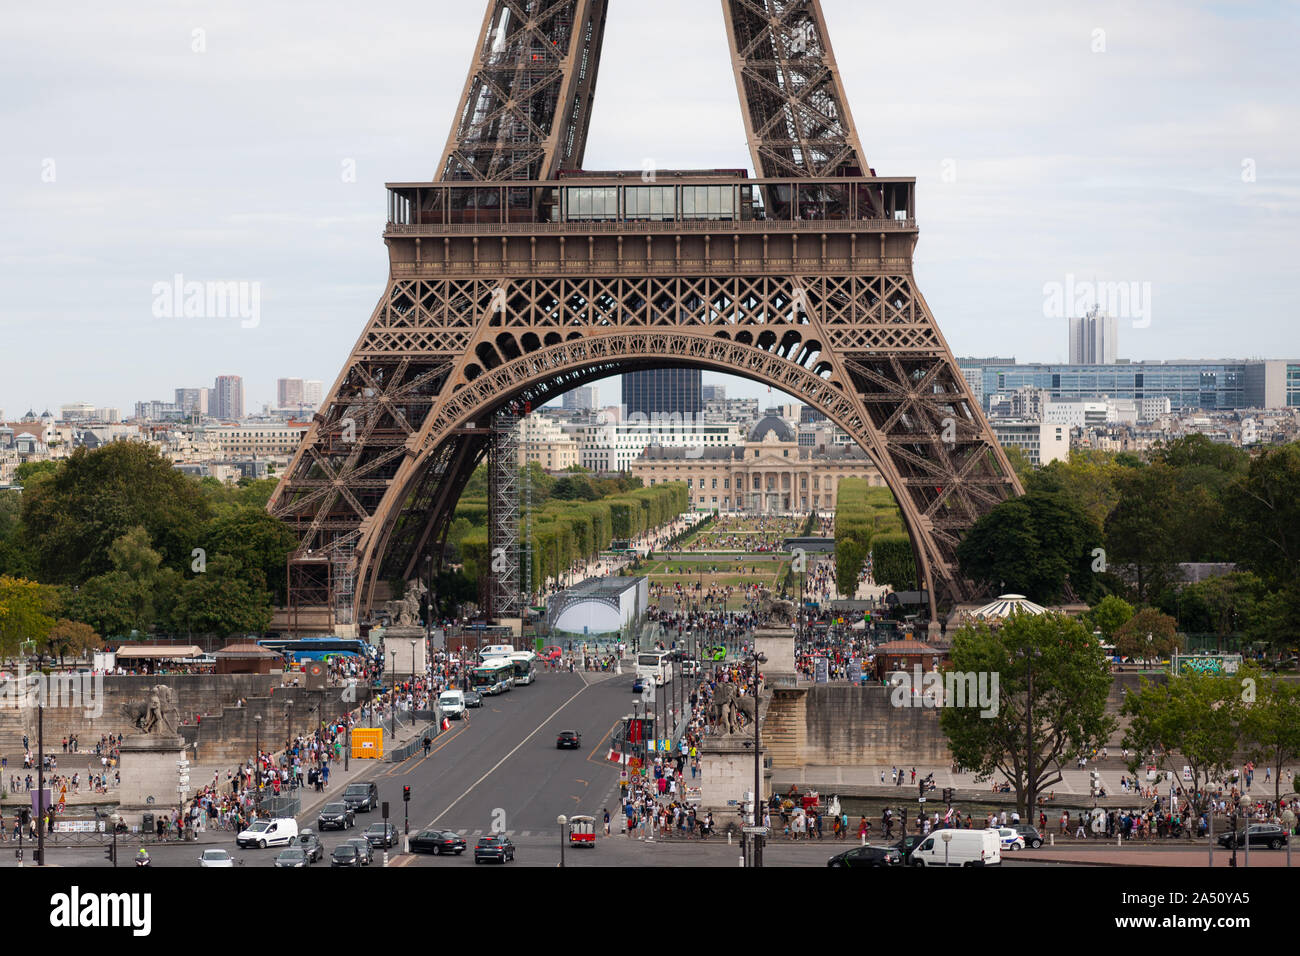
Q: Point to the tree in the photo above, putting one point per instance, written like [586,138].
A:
[1148,634]
[133,554]
[114,604]
[1039,545]
[1052,683]
[73,516]
[1020,462]
[25,609]
[30,470]
[1109,615]
[1087,480]
[573,489]
[1143,528]
[72,637]
[1270,723]
[1194,716]
[224,600]
[1265,505]
[260,543]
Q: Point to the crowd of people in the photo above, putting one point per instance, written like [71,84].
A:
[754,534]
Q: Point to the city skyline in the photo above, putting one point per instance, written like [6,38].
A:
[1155,152]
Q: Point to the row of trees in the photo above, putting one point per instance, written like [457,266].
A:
[868,522]
[1048,706]
[570,526]
[120,541]
[1114,524]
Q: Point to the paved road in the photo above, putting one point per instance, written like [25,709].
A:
[499,768]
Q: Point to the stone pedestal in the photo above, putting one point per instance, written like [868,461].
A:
[777,645]
[149,775]
[398,637]
[727,773]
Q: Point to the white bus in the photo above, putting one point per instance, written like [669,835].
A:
[654,665]
[495,676]
[525,662]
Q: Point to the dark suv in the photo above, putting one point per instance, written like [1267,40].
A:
[1261,834]
[362,797]
[335,816]
[381,835]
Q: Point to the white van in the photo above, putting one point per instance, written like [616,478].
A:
[264,833]
[452,703]
[495,650]
[967,848]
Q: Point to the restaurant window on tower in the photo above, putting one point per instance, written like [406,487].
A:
[709,202]
[650,204]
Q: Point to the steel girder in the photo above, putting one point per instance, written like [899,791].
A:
[797,117]
[526,106]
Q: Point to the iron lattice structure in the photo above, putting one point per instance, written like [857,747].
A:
[503,584]
[517,276]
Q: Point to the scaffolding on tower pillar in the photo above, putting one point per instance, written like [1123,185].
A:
[503,501]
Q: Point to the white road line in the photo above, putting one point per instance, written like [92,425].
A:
[498,764]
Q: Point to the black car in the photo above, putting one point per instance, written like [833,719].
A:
[364,849]
[1033,839]
[336,816]
[308,843]
[497,848]
[345,854]
[863,856]
[1261,834]
[438,842]
[568,739]
[473,698]
[381,834]
[361,797]
[293,857]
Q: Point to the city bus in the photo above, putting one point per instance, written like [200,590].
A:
[495,676]
[524,662]
[318,648]
[654,665]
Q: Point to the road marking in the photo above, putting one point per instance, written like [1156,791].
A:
[592,756]
[393,772]
[498,764]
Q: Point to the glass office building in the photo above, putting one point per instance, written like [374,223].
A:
[1202,385]
[664,391]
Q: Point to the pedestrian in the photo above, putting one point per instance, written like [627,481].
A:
[607,821]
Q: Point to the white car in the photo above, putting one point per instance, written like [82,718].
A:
[219,859]
[264,833]
[1011,839]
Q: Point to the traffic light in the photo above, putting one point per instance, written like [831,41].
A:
[110,853]
[406,794]
[947,794]
[36,856]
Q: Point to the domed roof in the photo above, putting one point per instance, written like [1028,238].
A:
[773,423]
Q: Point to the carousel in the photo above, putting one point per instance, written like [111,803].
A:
[998,610]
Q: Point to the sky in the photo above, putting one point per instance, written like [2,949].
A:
[1152,144]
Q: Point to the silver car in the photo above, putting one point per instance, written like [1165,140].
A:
[218,859]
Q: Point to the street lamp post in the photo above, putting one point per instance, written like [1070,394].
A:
[947,839]
[757,659]
[257,760]
[563,821]
[40,766]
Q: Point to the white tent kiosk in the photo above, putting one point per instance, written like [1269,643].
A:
[599,606]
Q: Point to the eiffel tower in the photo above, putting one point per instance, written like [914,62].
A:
[517,275]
